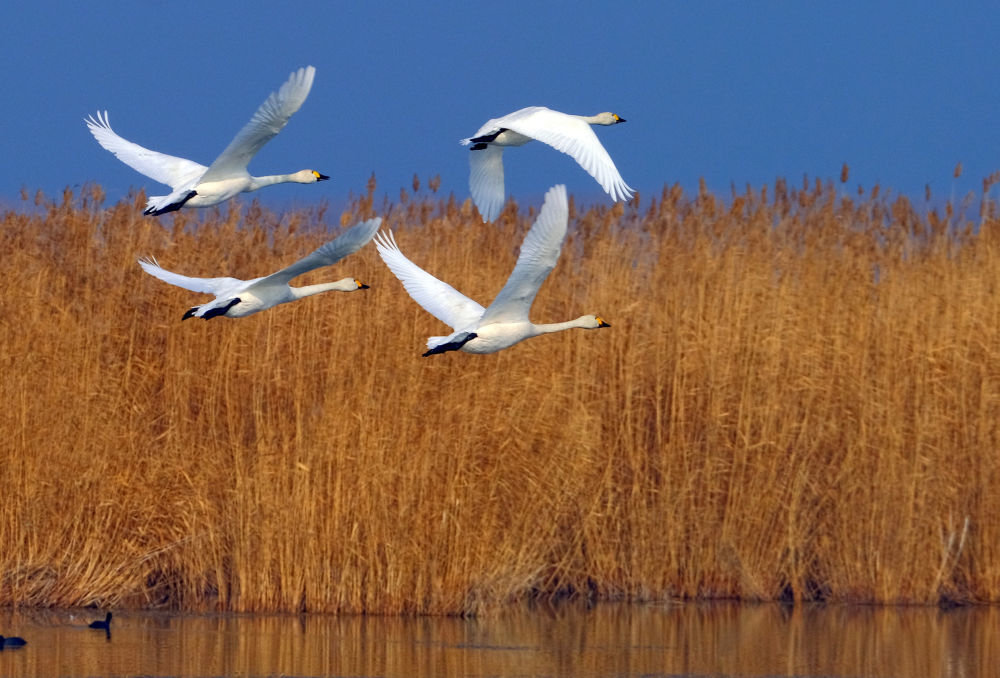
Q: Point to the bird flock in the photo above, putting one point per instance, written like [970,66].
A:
[475,329]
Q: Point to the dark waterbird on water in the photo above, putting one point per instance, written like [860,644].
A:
[103,625]
[12,641]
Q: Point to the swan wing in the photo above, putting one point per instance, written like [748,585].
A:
[486,180]
[167,169]
[574,137]
[217,286]
[436,297]
[269,119]
[539,254]
[348,242]
[494,125]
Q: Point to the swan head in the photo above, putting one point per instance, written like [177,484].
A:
[608,118]
[308,176]
[592,322]
[350,285]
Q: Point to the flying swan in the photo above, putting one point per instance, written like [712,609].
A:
[570,134]
[505,322]
[237,298]
[195,185]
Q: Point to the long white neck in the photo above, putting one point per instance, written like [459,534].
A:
[301,177]
[272,179]
[583,321]
[599,119]
[345,285]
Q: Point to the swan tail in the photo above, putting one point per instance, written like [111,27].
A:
[480,142]
[207,312]
[167,203]
[444,344]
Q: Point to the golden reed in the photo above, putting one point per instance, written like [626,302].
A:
[799,398]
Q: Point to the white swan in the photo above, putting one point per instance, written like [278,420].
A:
[570,134]
[195,185]
[237,298]
[505,322]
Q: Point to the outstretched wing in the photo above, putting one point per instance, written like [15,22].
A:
[492,126]
[539,254]
[574,137]
[436,297]
[486,180]
[348,242]
[167,169]
[269,119]
[217,286]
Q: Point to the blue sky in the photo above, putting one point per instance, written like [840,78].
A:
[737,93]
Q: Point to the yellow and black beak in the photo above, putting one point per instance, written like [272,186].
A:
[618,119]
[320,177]
[361,285]
[600,321]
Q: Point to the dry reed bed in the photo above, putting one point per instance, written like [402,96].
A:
[798,397]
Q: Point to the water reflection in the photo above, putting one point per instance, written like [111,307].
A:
[608,640]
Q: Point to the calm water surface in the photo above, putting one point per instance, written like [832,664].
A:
[607,640]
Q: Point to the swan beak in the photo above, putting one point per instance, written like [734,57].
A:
[618,119]
[602,323]
[320,177]
[361,285]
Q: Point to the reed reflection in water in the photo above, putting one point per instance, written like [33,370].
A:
[608,640]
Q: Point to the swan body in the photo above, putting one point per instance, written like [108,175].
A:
[194,185]
[236,298]
[570,134]
[505,322]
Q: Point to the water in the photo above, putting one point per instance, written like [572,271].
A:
[607,640]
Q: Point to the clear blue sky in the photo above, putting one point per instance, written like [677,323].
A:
[737,92]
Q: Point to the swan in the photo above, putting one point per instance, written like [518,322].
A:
[505,322]
[195,185]
[237,298]
[570,134]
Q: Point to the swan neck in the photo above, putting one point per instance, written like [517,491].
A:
[559,327]
[309,290]
[270,180]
